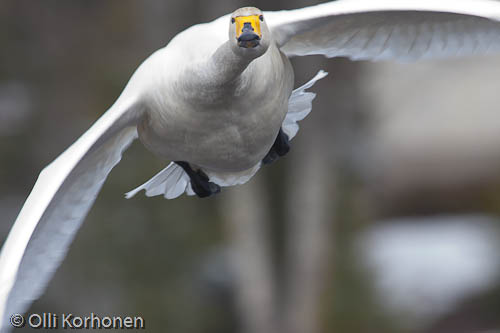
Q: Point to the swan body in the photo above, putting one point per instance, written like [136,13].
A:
[230,126]
[214,100]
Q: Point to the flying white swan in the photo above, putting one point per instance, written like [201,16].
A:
[219,101]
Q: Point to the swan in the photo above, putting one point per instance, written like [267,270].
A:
[218,101]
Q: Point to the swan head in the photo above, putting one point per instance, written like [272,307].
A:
[248,32]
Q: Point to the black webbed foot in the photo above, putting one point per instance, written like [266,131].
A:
[199,181]
[280,147]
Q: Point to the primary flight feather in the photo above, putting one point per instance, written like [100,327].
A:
[218,101]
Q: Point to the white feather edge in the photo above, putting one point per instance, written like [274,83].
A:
[482,8]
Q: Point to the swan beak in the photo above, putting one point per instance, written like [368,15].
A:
[248,31]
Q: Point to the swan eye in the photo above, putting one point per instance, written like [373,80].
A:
[232,20]
[261,17]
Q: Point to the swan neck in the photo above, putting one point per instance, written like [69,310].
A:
[227,66]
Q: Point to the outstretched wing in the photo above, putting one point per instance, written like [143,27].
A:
[57,205]
[404,30]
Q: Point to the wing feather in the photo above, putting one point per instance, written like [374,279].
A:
[403,30]
[62,196]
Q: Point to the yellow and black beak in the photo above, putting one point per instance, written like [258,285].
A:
[248,31]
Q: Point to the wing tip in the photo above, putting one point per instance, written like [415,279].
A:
[131,194]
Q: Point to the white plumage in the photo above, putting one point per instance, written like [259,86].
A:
[203,90]
[172,181]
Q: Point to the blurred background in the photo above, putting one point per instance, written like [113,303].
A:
[382,218]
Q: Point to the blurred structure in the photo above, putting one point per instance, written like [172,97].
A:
[277,254]
[434,130]
[424,267]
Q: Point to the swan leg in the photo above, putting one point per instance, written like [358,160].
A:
[199,181]
[280,147]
